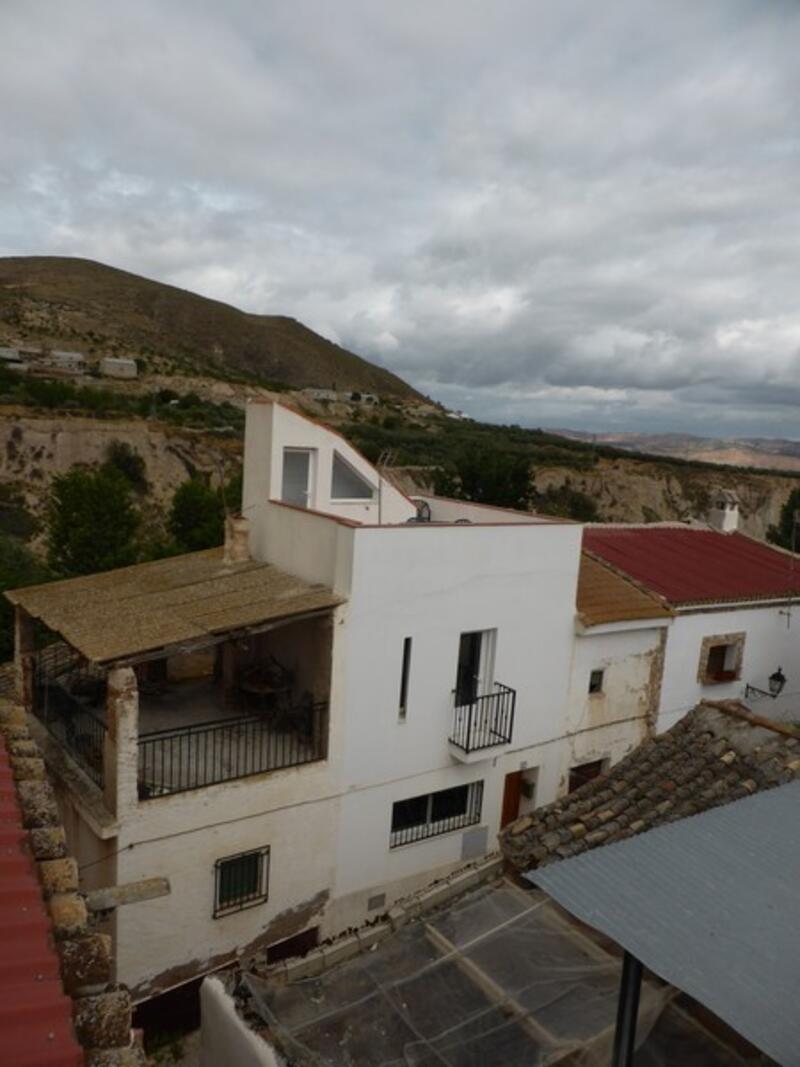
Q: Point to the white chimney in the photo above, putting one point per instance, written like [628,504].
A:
[723,514]
[237,539]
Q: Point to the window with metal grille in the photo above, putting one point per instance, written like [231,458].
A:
[596,681]
[435,813]
[241,881]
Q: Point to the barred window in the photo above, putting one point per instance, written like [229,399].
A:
[241,881]
[435,813]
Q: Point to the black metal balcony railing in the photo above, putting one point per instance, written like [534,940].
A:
[191,757]
[65,689]
[486,721]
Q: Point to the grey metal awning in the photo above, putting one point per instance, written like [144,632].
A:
[711,904]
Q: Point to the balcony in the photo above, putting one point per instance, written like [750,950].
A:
[206,753]
[484,723]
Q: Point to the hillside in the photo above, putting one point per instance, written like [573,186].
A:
[776,453]
[89,307]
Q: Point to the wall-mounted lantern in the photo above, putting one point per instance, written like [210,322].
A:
[776,682]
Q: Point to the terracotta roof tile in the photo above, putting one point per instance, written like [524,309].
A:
[604,595]
[715,754]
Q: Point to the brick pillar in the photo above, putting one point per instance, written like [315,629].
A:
[23,657]
[121,755]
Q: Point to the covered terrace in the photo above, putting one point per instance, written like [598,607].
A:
[222,669]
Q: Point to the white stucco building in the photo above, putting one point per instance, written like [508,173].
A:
[348,701]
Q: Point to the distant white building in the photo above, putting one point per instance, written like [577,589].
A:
[72,362]
[11,359]
[118,367]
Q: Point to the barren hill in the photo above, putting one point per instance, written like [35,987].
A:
[86,306]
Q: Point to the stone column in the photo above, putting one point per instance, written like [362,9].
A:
[23,657]
[121,755]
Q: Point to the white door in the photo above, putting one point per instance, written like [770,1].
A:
[296,476]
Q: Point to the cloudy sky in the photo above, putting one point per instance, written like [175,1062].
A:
[571,213]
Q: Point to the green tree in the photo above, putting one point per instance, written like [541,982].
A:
[787,532]
[18,567]
[91,522]
[488,476]
[197,516]
[122,457]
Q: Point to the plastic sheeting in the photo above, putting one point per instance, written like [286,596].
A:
[501,977]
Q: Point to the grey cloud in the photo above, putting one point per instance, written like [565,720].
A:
[543,213]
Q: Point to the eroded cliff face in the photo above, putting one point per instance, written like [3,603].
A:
[33,450]
[631,491]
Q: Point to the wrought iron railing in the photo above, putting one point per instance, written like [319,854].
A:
[191,757]
[66,688]
[436,813]
[486,721]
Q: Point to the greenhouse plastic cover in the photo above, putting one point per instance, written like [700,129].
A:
[501,977]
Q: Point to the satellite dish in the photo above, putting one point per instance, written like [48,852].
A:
[423,511]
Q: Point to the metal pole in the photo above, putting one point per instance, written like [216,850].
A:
[627,1012]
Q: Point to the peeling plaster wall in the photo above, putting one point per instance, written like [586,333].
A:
[166,941]
[609,724]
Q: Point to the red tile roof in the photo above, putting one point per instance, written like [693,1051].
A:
[689,566]
[35,1013]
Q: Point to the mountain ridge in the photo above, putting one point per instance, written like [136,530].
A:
[65,301]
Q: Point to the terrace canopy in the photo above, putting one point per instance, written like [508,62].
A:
[175,604]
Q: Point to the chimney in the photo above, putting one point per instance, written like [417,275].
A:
[237,539]
[724,512]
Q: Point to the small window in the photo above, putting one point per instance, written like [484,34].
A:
[585,772]
[241,881]
[404,672]
[717,668]
[347,484]
[596,681]
[436,813]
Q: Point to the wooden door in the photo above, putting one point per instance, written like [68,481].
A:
[512,793]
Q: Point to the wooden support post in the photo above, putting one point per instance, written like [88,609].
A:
[23,657]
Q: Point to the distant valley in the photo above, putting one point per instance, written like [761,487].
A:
[763,452]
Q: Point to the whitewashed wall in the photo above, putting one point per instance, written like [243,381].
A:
[770,643]
[270,427]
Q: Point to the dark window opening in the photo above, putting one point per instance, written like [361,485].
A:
[347,484]
[404,673]
[720,663]
[436,813]
[241,881]
[469,666]
[449,802]
[584,772]
[408,813]
[596,681]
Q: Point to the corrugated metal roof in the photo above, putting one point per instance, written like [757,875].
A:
[35,1013]
[605,596]
[709,903]
[688,566]
[142,608]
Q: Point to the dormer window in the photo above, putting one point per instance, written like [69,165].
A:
[347,483]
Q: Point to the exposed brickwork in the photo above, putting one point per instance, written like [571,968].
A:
[712,756]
